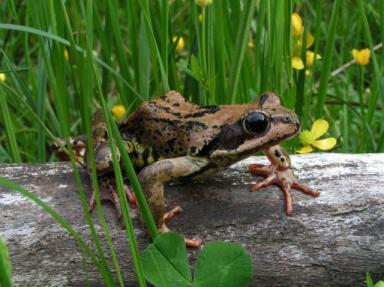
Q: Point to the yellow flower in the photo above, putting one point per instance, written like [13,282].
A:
[200,17]
[66,55]
[204,3]
[298,32]
[118,111]
[3,77]
[297,63]
[310,138]
[180,43]
[361,57]
[296,24]
[311,57]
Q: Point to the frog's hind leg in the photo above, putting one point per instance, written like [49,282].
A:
[153,178]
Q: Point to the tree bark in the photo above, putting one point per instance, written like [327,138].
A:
[331,240]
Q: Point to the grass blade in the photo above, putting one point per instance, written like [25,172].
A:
[327,63]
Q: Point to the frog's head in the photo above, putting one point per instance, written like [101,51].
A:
[265,122]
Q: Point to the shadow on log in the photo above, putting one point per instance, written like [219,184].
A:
[328,241]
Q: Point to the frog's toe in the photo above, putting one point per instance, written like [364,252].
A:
[270,180]
[299,186]
[171,214]
[260,169]
[130,196]
[192,243]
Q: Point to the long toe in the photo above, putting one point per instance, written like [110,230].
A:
[171,214]
[270,180]
[301,187]
[193,243]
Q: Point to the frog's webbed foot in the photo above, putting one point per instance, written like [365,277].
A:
[284,178]
[108,192]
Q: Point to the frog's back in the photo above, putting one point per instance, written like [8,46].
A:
[172,126]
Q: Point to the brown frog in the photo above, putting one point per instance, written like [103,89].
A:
[170,138]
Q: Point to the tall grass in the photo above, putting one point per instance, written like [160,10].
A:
[124,52]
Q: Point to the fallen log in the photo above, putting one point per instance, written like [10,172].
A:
[331,240]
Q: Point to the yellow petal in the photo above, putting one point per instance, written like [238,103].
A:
[3,77]
[319,127]
[310,40]
[180,43]
[364,56]
[355,54]
[204,3]
[310,56]
[305,137]
[325,144]
[66,55]
[305,149]
[297,24]
[361,57]
[297,63]
[118,111]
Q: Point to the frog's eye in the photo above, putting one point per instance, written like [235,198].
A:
[255,123]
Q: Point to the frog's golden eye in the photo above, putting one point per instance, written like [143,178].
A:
[255,123]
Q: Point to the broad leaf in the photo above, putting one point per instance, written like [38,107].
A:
[223,264]
[165,262]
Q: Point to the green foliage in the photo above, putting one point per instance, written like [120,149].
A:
[233,50]
[370,283]
[165,262]
[123,52]
[5,266]
[219,264]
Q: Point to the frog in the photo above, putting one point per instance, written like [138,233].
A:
[170,138]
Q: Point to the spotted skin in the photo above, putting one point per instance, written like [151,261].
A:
[170,138]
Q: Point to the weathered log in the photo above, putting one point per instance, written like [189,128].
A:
[328,241]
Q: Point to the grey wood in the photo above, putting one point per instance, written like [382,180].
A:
[328,241]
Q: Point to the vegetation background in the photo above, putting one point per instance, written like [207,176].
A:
[59,58]
[225,52]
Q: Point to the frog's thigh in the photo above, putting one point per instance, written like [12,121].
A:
[154,176]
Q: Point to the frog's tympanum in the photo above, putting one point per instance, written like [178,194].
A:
[170,138]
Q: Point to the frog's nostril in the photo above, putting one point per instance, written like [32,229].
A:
[286,119]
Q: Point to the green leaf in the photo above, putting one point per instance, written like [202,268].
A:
[5,266]
[165,262]
[379,284]
[197,69]
[223,264]
[368,279]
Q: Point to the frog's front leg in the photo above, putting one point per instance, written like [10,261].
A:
[153,178]
[279,173]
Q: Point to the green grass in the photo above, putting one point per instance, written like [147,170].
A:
[123,52]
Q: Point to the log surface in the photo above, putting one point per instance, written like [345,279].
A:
[331,240]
